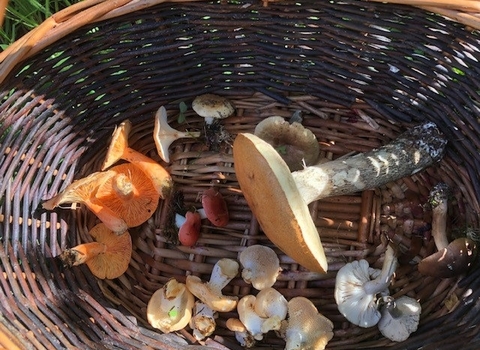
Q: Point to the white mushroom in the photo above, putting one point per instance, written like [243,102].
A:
[260,266]
[210,292]
[170,308]
[247,315]
[203,321]
[271,305]
[357,286]
[164,135]
[241,333]
[212,107]
[307,329]
[400,318]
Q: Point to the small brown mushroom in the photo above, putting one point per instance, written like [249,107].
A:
[279,199]
[296,145]
[212,107]
[107,257]
[119,149]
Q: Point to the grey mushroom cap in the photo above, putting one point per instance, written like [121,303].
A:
[297,145]
[210,107]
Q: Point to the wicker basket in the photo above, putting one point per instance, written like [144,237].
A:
[360,72]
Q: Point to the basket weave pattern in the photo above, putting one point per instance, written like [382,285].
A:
[361,73]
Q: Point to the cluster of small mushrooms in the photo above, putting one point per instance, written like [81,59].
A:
[277,167]
[196,303]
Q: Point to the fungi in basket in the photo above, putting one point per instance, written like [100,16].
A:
[266,181]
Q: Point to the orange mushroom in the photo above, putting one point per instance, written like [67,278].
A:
[107,257]
[189,231]
[83,191]
[119,149]
[129,193]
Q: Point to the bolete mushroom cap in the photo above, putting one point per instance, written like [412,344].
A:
[164,135]
[210,292]
[451,261]
[170,307]
[296,144]
[211,106]
[273,197]
[83,191]
[130,194]
[107,257]
[307,329]
[400,318]
[357,286]
[119,149]
[260,266]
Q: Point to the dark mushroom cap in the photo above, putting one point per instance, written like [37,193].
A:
[451,261]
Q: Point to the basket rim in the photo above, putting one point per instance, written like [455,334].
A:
[82,13]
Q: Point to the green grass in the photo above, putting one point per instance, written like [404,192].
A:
[24,15]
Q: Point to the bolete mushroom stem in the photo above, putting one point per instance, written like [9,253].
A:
[389,266]
[439,202]
[411,152]
[279,199]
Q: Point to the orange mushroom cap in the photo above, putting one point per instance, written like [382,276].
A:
[83,191]
[119,149]
[107,257]
[130,194]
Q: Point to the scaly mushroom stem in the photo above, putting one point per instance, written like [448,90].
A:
[164,135]
[439,202]
[389,266]
[411,152]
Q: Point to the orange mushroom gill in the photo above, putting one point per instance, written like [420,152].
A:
[107,257]
[129,194]
[119,149]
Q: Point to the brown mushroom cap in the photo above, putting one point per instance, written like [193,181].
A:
[293,142]
[272,195]
[212,106]
[107,257]
[130,194]
[451,261]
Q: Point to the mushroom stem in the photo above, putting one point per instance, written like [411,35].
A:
[389,266]
[411,152]
[164,135]
[391,307]
[438,201]
[222,273]
[83,252]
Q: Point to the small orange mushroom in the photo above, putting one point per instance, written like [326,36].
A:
[83,191]
[190,230]
[107,257]
[119,149]
[129,193]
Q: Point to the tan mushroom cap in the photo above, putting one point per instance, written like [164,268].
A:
[130,194]
[212,106]
[293,142]
[170,308]
[273,197]
[211,297]
[107,257]
[260,266]
[307,328]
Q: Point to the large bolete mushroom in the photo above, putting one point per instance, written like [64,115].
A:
[279,199]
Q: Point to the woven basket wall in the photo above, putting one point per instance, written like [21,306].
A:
[360,72]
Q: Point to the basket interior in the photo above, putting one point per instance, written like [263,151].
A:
[360,73]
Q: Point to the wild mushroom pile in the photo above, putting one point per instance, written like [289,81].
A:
[297,321]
